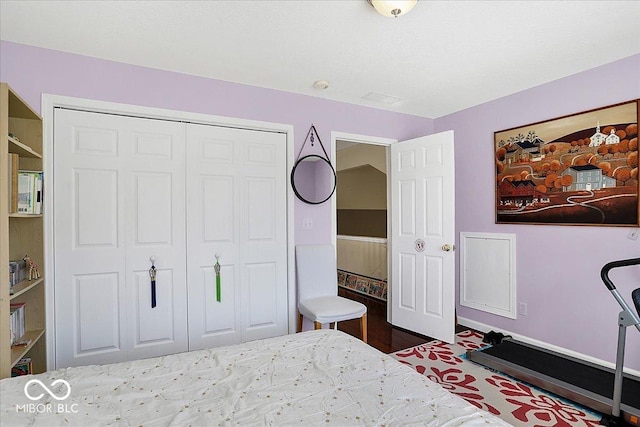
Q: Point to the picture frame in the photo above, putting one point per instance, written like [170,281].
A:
[580,169]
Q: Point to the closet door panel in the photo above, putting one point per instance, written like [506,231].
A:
[220,319]
[263,235]
[118,200]
[96,338]
[212,228]
[237,185]
[154,325]
[261,199]
[128,190]
[90,287]
[96,223]
[153,198]
[218,224]
[155,146]
[262,296]
[155,228]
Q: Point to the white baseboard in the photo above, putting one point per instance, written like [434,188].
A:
[486,328]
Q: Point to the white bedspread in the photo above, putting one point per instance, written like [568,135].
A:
[320,377]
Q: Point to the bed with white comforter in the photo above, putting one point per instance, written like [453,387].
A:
[322,377]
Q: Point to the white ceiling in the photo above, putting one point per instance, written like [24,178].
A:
[442,57]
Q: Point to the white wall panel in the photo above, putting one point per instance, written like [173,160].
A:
[362,255]
[487,272]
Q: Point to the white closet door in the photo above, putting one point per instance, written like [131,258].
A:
[236,208]
[119,199]
[154,165]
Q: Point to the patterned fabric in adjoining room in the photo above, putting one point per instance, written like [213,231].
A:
[362,284]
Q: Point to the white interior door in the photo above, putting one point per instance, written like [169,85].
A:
[237,189]
[422,236]
[119,199]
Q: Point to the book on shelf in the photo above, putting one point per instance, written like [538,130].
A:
[25,193]
[14,161]
[22,367]
[38,193]
[17,324]
[17,273]
[30,192]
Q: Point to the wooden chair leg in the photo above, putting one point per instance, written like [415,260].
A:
[300,317]
[363,327]
[317,325]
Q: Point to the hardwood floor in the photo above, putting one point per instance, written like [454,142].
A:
[381,334]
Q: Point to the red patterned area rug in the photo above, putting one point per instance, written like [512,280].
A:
[515,402]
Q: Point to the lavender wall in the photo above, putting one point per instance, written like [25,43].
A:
[558,267]
[32,71]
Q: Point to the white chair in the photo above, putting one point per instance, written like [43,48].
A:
[318,298]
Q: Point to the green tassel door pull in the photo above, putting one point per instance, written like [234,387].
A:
[216,268]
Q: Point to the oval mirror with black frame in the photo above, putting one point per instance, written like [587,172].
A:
[313,179]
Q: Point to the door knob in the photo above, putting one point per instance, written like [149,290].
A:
[446,247]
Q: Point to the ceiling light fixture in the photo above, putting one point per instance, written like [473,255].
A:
[393,8]
[321,84]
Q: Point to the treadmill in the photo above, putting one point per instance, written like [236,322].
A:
[608,391]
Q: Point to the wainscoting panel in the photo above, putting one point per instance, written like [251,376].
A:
[362,265]
[363,255]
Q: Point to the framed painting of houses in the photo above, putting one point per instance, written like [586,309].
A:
[580,169]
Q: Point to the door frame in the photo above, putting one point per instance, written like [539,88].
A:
[50,102]
[372,140]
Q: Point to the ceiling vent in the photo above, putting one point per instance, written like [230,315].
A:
[382,99]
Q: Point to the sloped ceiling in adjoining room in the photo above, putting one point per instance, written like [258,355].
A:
[363,187]
[356,155]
